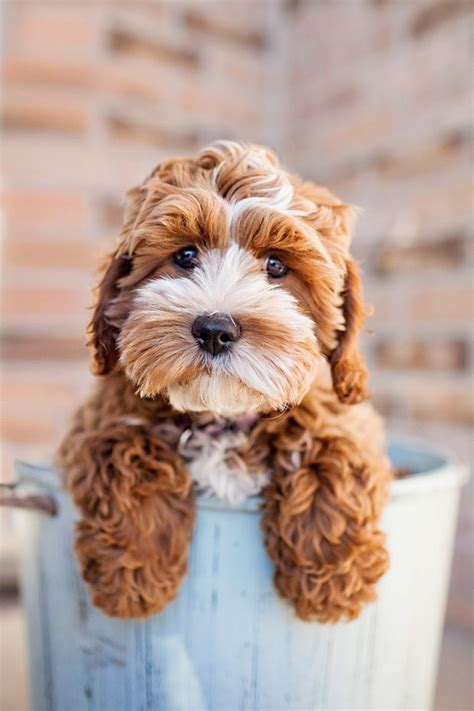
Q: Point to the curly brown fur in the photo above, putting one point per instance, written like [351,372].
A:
[296,369]
[135,501]
[321,519]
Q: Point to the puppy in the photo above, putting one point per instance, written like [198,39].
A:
[225,334]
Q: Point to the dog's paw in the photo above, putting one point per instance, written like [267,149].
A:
[332,593]
[125,601]
[122,583]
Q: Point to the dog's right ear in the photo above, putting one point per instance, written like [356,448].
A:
[102,335]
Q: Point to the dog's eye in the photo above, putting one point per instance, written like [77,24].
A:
[275,267]
[186,258]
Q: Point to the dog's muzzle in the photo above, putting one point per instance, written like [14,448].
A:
[215,333]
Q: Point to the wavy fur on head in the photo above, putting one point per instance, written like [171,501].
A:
[166,413]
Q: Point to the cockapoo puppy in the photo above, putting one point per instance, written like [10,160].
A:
[225,334]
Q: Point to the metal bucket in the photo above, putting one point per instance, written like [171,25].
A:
[228,642]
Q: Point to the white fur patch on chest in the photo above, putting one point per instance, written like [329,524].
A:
[216,466]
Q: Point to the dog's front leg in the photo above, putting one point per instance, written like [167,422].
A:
[320,524]
[137,515]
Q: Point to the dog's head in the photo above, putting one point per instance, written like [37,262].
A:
[231,281]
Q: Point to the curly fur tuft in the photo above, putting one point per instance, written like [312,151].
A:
[320,527]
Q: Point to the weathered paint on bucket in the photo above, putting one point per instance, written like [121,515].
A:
[228,642]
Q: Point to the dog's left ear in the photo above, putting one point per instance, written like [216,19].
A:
[347,364]
[333,221]
[102,335]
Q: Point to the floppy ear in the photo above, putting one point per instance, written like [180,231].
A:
[102,334]
[347,364]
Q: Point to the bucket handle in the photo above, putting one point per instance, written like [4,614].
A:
[11,495]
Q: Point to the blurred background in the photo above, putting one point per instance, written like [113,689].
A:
[371,97]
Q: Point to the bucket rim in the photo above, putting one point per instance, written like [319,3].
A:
[446,471]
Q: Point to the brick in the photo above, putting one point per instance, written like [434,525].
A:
[385,402]
[53,386]
[25,206]
[440,304]
[423,402]
[368,36]
[447,253]
[31,304]
[38,404]
[437,13]
[419,160]
[441,402]
[244,71]
[441,204]
[432,76]
[114,78]
[293,6]
[20,428]
[22,251]
[336,99]
[54,28]
[29,154]
[124,42]
[49,73]
[365,129]
[387,306]
[127,162]
[225,30]
[402,354]
[46,394]
[42,347]
[129,82]
[45,116]
[151,10]
[131,129]
[218,13]
[207,104]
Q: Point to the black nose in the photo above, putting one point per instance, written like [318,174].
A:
[215,333]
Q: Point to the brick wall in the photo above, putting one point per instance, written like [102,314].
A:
[372,97]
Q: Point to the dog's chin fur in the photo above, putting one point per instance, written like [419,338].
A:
[220,394]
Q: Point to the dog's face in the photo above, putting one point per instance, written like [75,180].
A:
[231,282]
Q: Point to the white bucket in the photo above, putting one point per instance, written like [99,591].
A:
[228,642]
